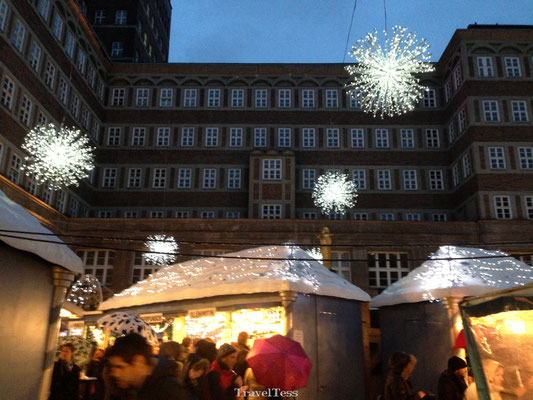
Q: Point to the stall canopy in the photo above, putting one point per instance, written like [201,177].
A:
[457,272]
[15,221]
[258,270]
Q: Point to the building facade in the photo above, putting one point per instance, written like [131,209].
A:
[225,156]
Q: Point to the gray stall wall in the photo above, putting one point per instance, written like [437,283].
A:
[332,336]
[25,299]
[421,329]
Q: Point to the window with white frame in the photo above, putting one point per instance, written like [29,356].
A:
[35,56]
[451,132]
[385,268]
[61,202]
[308,137]
[332,98]
[157,214]
[91,75]
[121,17]
[189,97]
[359,178]
[211,137]
[49,74]
[209,178]
[467,165]
[410,181]
[234,178]
[47,194]
[502,207]
[184,178]
[357,138]
[457,77]
[138,137]
[309,215]
[44,8]
[308,98]
[519,110]
[448,90]
[159,178]
[439,217]
[98,263]
[484,67]
[41,119]
[461,120]
[432,138]
[3,14]
[413,217]
[213,98]
[163,137]
[261,98]
[142,269]
[455,175]
[134,177]
[117,49]
[284,137]
[17,35]
[109,178]
[63,91]
[284,98]
[359,216]
[235,137]
[57,26]
[386,216]
[8,93]
[525,156]
[332,137]
[528,202]
[142,97]
[429,100]
[233,214]
[407,140]
[354,99]
[130,214]
[490,111]
[384,179]
[75,105]
[271,169]
[207,214]
[118,97]
[237,97]
[382,138]
[260,137]
[187,137]
[99,17]
[436,179]
[100,92]
[512,67]
[308,178]
[271,211]
[182,214]
[74,208]
[496,158]
[26,106]
[81,61]
[31,184]
[340,264]
[114,136]
[15,168]
[85,118]
[166,97]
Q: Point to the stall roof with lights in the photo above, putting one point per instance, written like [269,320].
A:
[457,272]
[14,219]
[258,270]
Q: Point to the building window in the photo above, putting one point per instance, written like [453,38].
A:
[271,211]
[91,75]
[189,97]
[233,214]
[213,98]
[187,137]
[439,217]
[490,111]
[512,67]
[98,263]
[360,216]
[159,179]
[8,92]
[432,138]
[525,155]
[35,56]
[308,98]
[528,201]
[384,181]
[99,17]
[85,119]
[461,120]
[457,77]
[332,138]
[138,137]
[436,180]
[26,106]
[429,100]
[519,111]
[359,178]
[447,90]
[31,185]
[44,8]
[184,178]
[96,130]
[451,132]
[496,158]
[3,14]
[358,138]
[284,137]
[114,136]
[41,119]
[261,98]
[81,62]
[182,214]
[354,99]
[284,98]
[109,178]
[209,179]
[211,137]
[49,74]
[134,177]
[260,137]
[308,137]
[166,97]
[332,98]
[410,181]
[142,269]
[117,49]
[234,178]
[207,214]
[340,264]
[235,137]
[237,98]
[272,169]
[386,217]
[121,17]
[63,91]
[335,216]
[118,97]
[386,268]
[142,97]
[163,137]
[75,106]
[502,207]
[412,217]
[455,175]
[309,215]
[15,169]
[484,67]
[57,26]
[157,214]
[308,178]
[467,165]
[131,214]
[382,138]
[407,140]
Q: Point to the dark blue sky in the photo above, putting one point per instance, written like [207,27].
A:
[299,31]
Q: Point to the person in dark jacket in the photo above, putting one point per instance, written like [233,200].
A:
[222,382]
[65,376]
[452,385]
[397,385]
[193,378]
[206,349]
[95,390]
[140,375]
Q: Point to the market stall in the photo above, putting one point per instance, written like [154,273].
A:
[264,291]
[425,304]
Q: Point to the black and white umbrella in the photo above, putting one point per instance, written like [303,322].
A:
[124,323]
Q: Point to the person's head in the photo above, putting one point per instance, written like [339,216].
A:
[67,351]
[493,373]
[129,360]
[458,366]
[205,349]
[402,364]
[198,368]
[227,354]
[186,342]
[243,338]
[170,350]
[98,355]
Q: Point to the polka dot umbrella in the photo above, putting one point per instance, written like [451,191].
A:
[124,323]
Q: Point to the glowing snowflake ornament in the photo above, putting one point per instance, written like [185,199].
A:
[334,193]
[384,80]
[162,249]
[59,156]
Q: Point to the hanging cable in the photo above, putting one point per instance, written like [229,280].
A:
[349,32]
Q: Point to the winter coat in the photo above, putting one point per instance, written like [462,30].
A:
[398,388]
[65,381]
[451,386]
[193,390]
[220,382]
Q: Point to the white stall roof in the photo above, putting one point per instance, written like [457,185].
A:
[16,219]
[458,272]
[258,270]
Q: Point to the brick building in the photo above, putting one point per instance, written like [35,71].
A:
[224,156]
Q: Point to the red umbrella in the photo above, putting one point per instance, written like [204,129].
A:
[279,362]
[460,341]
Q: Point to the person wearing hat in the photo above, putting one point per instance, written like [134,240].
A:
[222,382]
[452,384]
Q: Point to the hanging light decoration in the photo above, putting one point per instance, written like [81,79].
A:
[316,253]
[162,249]
[334,193]
[384,79]
[86,293]
[59,156]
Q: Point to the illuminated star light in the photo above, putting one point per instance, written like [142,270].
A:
[60,156]
[384,80]
[162,249]
[334,193]
[315,253]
